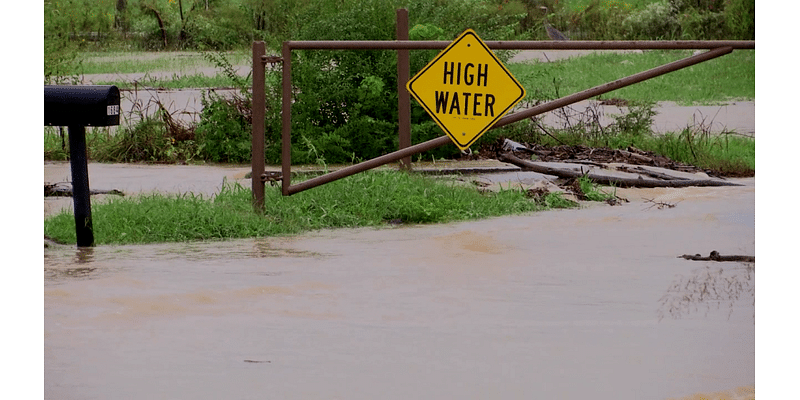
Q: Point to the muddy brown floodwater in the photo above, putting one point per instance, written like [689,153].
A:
[574,304]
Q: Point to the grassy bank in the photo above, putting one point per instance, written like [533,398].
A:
[375,198]
[731,76]
[118,62]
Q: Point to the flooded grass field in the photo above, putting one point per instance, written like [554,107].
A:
[592,303]
[572,304]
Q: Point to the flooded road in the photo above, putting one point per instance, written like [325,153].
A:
[734,116]
[571,304]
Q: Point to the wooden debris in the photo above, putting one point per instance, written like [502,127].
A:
[608,180]
[715,256]
[660,204]
[63,189]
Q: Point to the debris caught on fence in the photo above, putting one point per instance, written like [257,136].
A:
[607,179]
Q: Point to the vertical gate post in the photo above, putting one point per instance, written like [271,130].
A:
[259,111]
[286,119]
[403,97]
[80,186]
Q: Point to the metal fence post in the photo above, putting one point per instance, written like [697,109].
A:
[403,97]
[286,119]
[259,111]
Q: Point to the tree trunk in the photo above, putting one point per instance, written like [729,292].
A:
[119,20]
[160,24]
[182,35]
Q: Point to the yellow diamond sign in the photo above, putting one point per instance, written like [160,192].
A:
[466,89]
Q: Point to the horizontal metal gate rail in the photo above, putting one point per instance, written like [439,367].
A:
[716,49]
[523,45]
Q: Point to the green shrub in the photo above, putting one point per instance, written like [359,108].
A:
[148,140]
[55,143]
[224,131]
[637,121]
[697,25]
[740,17]
[275,21]
[598,20]
[346,101]
[226,27]
[61,61]
[656,21]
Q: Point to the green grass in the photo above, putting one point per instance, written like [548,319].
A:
[729,154]
[177,81]
[368,199]
[140,62]
[731,76]
[592,191]
[55,148]
[184,68]
[578,5]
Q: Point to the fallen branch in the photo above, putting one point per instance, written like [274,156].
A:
[660,204]
[653,174]
[63,190]
[715,256]
[608,180]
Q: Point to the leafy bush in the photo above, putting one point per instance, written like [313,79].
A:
[55,143]
[702,26]
[596,21]
[225,27]
[224,131]
[637,121]
[740,17]
[274,21]
[656,21]
[61,60]
[345,104]
[148,140]
[647,20]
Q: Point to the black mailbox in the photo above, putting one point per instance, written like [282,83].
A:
[78,107]
[81,105]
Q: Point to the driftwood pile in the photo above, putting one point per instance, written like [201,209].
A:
[599,158]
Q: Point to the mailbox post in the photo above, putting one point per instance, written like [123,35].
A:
[77,107]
